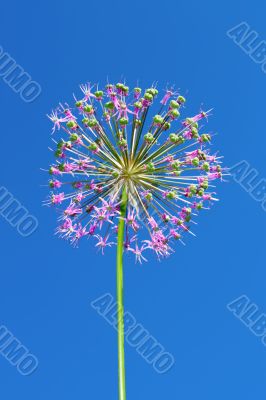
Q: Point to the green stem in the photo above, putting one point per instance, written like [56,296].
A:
[120,305]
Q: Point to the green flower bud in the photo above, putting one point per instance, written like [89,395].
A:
[78,103]
[138,122]
[137,89]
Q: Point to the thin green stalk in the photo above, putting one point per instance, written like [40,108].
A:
[120,304]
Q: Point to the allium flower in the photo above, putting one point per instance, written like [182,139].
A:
[130,176]
[113,144]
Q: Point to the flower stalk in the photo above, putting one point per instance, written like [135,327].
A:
[120,303]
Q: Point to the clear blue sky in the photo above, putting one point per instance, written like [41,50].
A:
[47,286]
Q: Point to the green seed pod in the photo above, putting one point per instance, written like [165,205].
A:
[138,104]
[92,123]
[148,96]
[71,124]
[152,91]
[158,119]
[166,126]
[88,108]
[93,146]
[61,167]
[205,185]
[200,192]
[123,121]
[58,153]
[125,89]
[122,142]
[173,137]
[205,137]
[194,132]
[175,165]
[199,206]
[149,197]
[195,161]
[78,103]
[74,137]
[150,167]
[99,93]
[60,144]
[174,104]
[181,99]
[171,195]
[193,189]
[115,174]
[85,121]
[206,166]
[137,90]
[148,137]
[175,113]
[109,105]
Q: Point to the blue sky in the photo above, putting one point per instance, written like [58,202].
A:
[47,286]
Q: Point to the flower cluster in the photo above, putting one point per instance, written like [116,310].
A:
[111,144]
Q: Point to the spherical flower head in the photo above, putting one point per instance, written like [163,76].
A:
[114,143]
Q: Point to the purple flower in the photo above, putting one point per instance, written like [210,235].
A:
[108,148]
